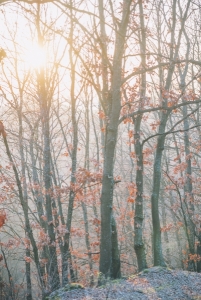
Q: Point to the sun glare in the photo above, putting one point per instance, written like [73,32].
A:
[35,57]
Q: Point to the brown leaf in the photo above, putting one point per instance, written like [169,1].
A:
[2,130]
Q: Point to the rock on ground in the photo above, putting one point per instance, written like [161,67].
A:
[154,283]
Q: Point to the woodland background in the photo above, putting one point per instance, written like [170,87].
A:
[100,141]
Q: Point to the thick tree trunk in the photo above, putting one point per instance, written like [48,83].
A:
[112,243]
[106,205]
[158,256]
[114,100]
[116,263]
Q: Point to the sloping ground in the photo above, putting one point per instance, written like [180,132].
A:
[154,283]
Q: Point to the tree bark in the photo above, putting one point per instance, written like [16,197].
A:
[45,103]
[24,205]
[114,100]
[25,197]
[116,263]
[66,247]
[138,218]
[158,256]
[188,186]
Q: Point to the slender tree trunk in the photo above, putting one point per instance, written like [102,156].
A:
[36,185]
[98,163]
[54,280]
[166,238]
[45,103]
[138,218]
[87,241]
[158,256]
[65,255]
[199,254]
[176,233]
[28,276]
[184,213]
[188,187]
[84,206]
[24,205]
[38,197]
[10,279]
[66,247]
[25,198]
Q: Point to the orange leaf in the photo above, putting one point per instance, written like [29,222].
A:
[27,259]
[2,218]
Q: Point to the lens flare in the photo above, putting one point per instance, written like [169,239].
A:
[35,57]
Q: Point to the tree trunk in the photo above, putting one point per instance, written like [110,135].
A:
[24,205]
[166,238]
[28,276]
[66,247]
[38,197]
[199,254]
[158,256]
[188,191]
[45,104]
[25,196]
[54,280]
[138,218]
[116,263]
[87,241]
[114,107]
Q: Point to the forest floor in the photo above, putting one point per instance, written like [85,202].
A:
[154,283]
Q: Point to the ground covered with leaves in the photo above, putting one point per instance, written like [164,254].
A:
[154,283]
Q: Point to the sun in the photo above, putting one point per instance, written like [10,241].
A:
[35,56]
